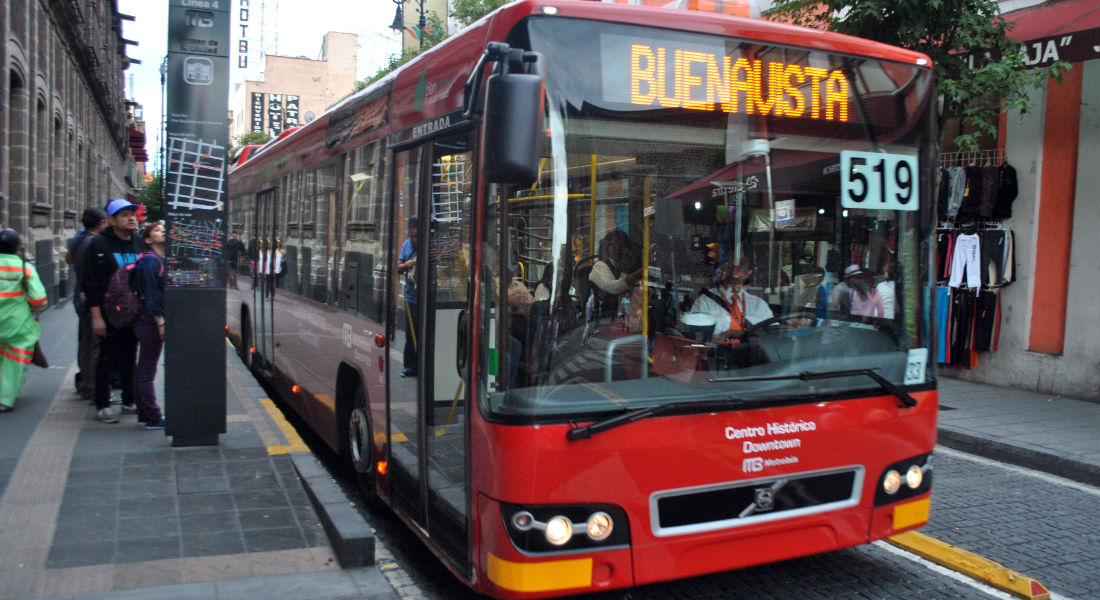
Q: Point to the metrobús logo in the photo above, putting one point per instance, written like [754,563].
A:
[754,441]
[353,339]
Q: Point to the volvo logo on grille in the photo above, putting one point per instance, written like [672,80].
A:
[764,498]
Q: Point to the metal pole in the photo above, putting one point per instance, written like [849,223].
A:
[422,24]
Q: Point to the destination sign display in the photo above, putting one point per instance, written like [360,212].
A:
[693,76]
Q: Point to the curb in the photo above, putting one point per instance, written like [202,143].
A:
[972,565]
[351,538]
[1025,457]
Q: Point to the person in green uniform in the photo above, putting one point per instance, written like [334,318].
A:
[21,295]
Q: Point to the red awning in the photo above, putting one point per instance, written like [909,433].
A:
[1066,30]
[1053,18]
[137,145]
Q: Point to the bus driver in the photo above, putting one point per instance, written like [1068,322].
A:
[733,308]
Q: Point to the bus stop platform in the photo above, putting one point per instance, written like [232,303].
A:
[94,510]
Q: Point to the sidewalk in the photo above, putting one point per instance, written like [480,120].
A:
[1053,434]
[90,510]
[94,510]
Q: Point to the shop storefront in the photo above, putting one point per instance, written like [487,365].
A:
[1040,320]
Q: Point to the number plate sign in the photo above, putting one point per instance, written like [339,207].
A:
[878,181]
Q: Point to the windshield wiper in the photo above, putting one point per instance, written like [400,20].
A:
[584,432]
[907,401]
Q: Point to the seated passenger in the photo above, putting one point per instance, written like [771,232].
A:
[608,275]
[733,308]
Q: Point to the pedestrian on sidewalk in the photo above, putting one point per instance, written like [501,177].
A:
[95,221]
[117,246]
[149,328]
[21,296]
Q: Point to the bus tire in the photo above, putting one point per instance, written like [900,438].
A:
[245,349]
[358,451]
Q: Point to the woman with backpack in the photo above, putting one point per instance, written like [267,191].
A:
[149,328]
[21,294]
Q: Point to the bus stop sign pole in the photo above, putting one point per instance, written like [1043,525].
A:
[197,142]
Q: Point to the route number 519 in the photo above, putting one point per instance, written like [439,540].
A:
[878,181]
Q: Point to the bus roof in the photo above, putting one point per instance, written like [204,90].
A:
[443,69]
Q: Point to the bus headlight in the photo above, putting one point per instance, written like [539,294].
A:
[523,520]
[892,482]
[559,530]
[600,526]
[556,528]
[914,477]
[904,479]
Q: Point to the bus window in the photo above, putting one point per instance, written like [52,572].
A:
[364,282]
[679,247]
[319,216]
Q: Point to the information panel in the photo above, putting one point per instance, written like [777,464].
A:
[197,141]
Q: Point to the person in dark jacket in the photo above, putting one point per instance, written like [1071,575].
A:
[116,247]
[95,221]
[149,329]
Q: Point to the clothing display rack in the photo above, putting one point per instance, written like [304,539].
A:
[975,252]
[987,158]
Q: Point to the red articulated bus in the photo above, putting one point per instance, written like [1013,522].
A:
[595,295]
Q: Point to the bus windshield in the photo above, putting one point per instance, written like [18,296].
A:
[713,217]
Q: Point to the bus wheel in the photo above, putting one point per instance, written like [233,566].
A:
[245,349]
[359,453]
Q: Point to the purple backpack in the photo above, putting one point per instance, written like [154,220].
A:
[122,302]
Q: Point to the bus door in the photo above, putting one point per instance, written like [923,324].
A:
[428,399]
[263,289]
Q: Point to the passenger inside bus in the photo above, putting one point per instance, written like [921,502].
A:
[613,274]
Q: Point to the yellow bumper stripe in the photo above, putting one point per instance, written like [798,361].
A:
[912,513]
[541,576]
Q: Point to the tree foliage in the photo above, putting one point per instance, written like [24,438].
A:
[151,197]
[953,33]
[468,11]
[247,139]
[435,33]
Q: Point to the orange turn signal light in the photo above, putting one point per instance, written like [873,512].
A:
[296,388]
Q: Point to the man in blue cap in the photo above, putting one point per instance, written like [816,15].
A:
[115,247]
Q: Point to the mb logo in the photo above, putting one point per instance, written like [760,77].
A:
[752,465]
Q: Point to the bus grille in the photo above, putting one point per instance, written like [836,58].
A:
[740,503]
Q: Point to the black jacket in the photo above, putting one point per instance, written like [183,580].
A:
[106,254]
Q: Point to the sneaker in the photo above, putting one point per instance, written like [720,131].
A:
[104,415]
[129,408]
[157,425]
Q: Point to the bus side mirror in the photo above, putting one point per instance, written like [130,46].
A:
[512,138]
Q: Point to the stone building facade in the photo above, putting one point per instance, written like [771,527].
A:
[64,131]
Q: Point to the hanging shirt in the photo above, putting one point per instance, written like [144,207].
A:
[966,261]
